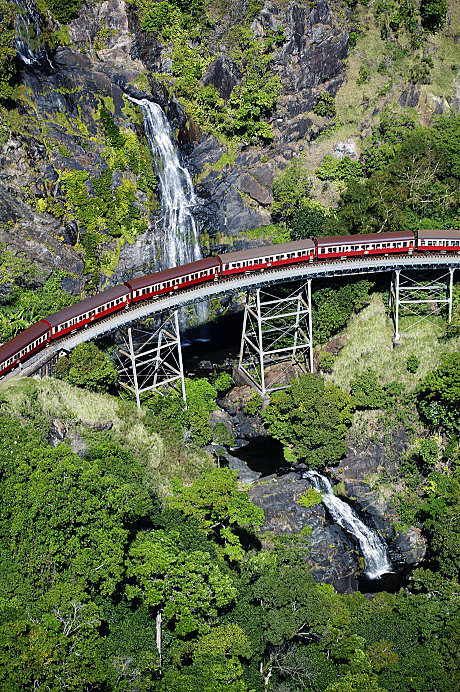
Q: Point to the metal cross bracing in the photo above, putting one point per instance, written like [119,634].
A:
[276,330]
[413,296]
[151,361]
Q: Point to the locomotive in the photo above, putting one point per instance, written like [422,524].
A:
[223,265]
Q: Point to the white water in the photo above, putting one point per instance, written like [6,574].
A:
[180,232]
[28,39]
[373,547]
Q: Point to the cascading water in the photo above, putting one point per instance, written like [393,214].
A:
[372,546]
[180,240]
[28,41]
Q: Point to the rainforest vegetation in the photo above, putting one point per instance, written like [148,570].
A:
[130,560]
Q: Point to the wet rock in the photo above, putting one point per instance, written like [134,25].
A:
[330,556]
[245,474]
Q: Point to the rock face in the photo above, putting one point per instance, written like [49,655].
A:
[371,459]
[24,230]
[311,60]
[330,556]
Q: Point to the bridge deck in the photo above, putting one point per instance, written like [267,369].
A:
[361,265]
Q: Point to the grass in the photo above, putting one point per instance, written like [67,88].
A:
[370,347]
[83,413]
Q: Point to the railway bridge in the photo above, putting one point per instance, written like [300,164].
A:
[274,328]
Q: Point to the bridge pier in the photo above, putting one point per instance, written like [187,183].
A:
[410,296]
[152,361]
[276,331]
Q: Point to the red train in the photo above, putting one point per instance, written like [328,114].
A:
[212,269]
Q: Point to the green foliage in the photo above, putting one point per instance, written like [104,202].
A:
[112,131]
[158,571]
[219,507]
[433,13]
[64,10]
[415,182]
[221,435]
[438,395]
[223,382]
[309,220]
[386,140]
[344,169]
[290,189]
[326,362]
[333,307]
[367,391]
[325,106]
[412,363]
[90,368]
[24,303]
[242,115]
[310,420]
[253,404]
[8,12]
[311,498]
[201,400]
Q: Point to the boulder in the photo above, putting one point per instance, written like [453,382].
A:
[412,546]
[219,416]
[346,149]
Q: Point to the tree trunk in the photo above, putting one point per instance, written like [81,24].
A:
[158,632]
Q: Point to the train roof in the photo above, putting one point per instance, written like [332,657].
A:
[267,250]
[424,234]
[85,305]
[361,238]
[35,331]
[173,273]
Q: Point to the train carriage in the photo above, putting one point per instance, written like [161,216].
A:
[258,258]
[364,244]
[88,310]
[172,279]
[23,346]
[443,241]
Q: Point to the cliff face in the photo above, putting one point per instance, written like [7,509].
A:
[54,146]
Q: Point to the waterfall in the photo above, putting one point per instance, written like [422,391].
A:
[28,41]
[373,547]
[180,232]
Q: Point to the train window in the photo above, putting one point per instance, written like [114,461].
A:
[430,242]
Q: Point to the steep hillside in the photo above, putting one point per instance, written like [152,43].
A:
[249,87]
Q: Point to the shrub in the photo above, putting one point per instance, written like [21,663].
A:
[332,168]
[223,381]
[90,368]
[64,10]
[326,361]
[253,404]
[412,363]
[311,498]
[325,106]
[367,391]
[433,14]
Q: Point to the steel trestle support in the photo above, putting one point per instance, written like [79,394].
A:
[276,330]
[152,361]
[412,296]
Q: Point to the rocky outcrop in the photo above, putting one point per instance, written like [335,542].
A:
[354,475]
[27,231]
[330,555]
